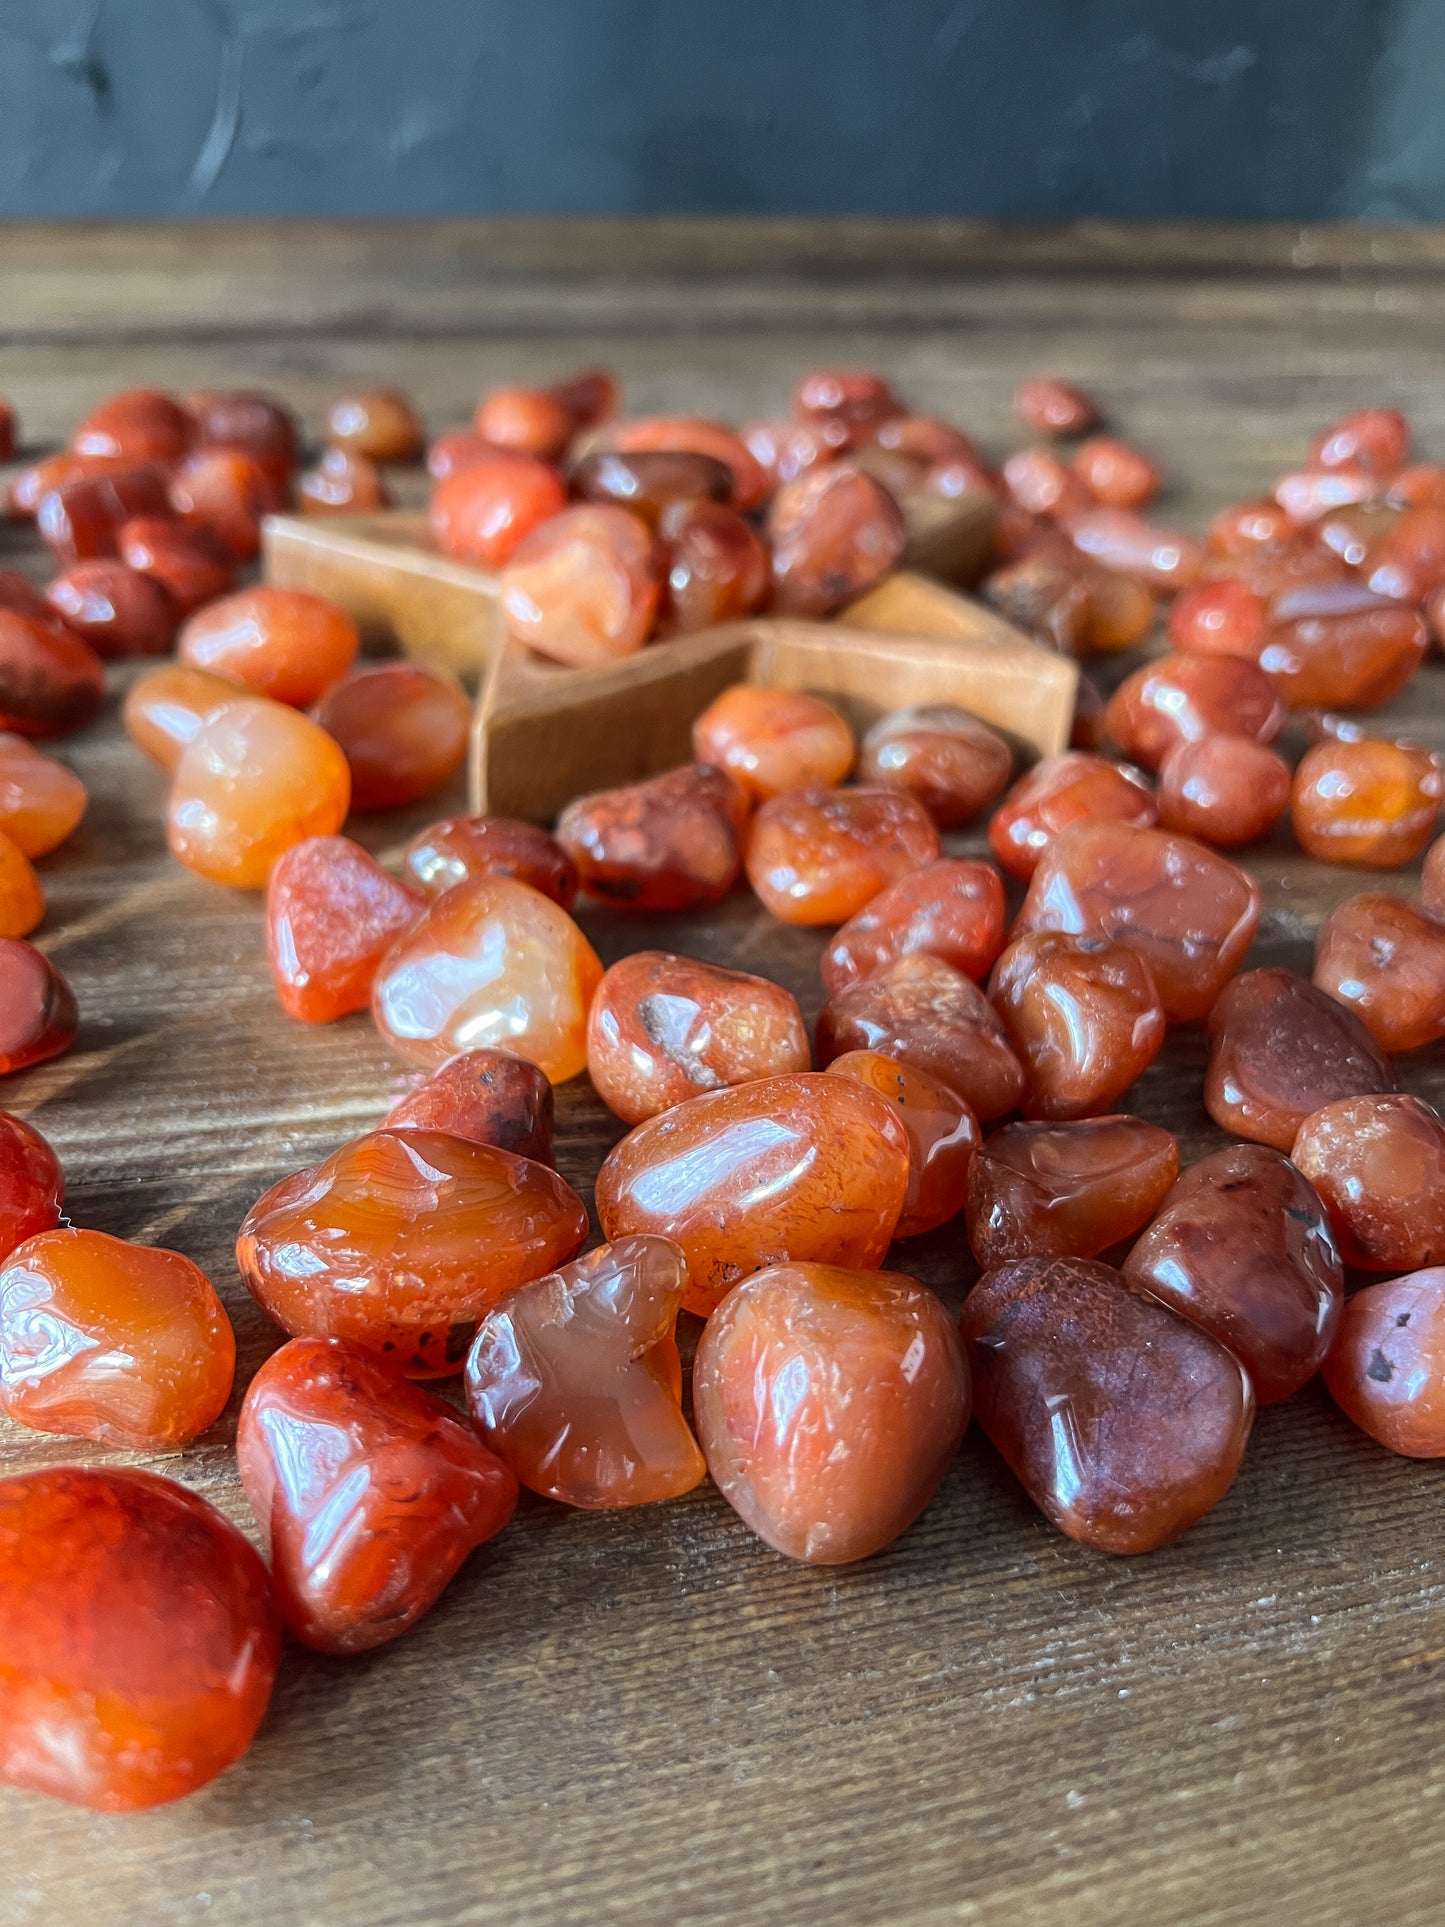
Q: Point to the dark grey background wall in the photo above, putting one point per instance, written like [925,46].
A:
[1011,109]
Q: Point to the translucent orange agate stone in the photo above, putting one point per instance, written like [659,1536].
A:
[287,644]
[32,1184]
[1182,699]
[952,909]
[943,1135]
[332,913]
[368,1491]
[115,608]
[400,1240]
[1058,791]
[575,1380]
[37,1007]
[1223,790]
[490,846]
[1385,959]
[954,764]
[380,423]
[491,963]
[1386,1370]
[673,842]
[1364,801]
[163,712]
[830,1403]
[488,1096]
[1378,1164]
[800,1167]
[663,1028]
[188,562]
[22,900]
[772,740]
[584,586]
[715,567]
[256,778]
[139,1636]
[1083,1017]
[834,533]
[1124,1424]
[484,509]
[50,683]
[1066,1190]
[818,856]
[402,729]
[138,424]
[111,1341]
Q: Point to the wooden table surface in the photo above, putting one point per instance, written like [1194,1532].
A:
[648,1716]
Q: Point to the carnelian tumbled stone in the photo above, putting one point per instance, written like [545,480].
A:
[111,1341]
[402,729]
[1053,407]
[1250,528]
[854,398]
[528,421]
[490,846]
[1060,790]
[41,801]
[1369,802]
[400,1240]
[487,1096]
[1377,438]
[715,567]
[50,682]
[1386,1370]
[81,519]
[163,712]
[1407,562]
[1118,539]
[256,778]
[1181,699]
[1223,617]
[368,1491]
[583,587]
[1189,912]
[663,1028]
[830,1403]
[226,492]
[32,1184]
[772,740]
[1241,1247]
[139,1636]
[799,1167]
[952,909]
[671,843]
[687,435]
[574,1380]
[1083,1017]
[943,1135]
[22,901]
[342,483]
[1114,473]
[1386,959]
[138,424]
[494,963]
[930,1016]
[1378,1164]
[1066,1190]
[818,856]
[117,610]
[834,533]
[1041,483]
[287,644]
[1123,1423]
[242,418]
[483,511]
[651,480]
[332,913]
[37,1007]
[380,423]
[954,764]
[1280,1050]
[1335,645]
[1223,790]
[189,562]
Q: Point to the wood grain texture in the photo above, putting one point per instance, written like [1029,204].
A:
[650,1718]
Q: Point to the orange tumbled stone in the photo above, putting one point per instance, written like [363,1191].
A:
[256,778]
[1377,438]
[688,435]
[37,1007]
[188,562]
[933,1018]
[22,901]
[50,681]
[32,1184]
[1083,1017]
[484,509]
[772,740]
[488,1096]
[1042,483]
[1118,539]
[1189,912]
[1249,528]
[490,846]
[163,712]
[332,913]
[243,418]
[529,421]
[818,855]
[650,481]
[41,801]
[952,909]
[1114,473]
[1385,959]
[1068,1190]
[287,644]
[671,843]
[1366,801]
[400,1241]
[104,1340]
[402,729]
[491,963]
[943,1135]
[139,1636]
[834,533]
[226,491]
[575,1381]
[1054,407]
[715,567]
[800,1167]
[1378,1164]
[380,423]
[1223,790]
[1123,1423]
[139,424]
[1335,645]
[1221,617]
[80,519]
[830,1403]
[950,761]
[1386,1370]
[1058,791]
[115,608]
[583,587]
[1182,699]
[663,1028]
[342,483]
[368,1491]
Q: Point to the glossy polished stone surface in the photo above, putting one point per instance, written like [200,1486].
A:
[332,914]
[1066,1190]
[1083,1017]
[674,842]
[1378,1164]
[943,1135]
[819,856]
[952,909]
[1386,1369]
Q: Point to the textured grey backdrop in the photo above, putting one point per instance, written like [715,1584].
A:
[1010,109]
